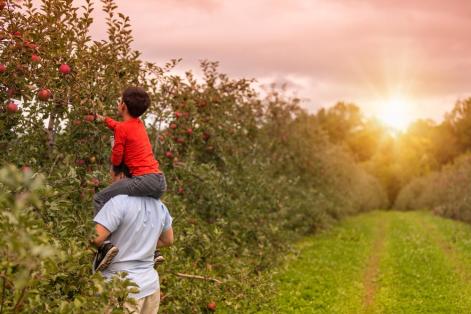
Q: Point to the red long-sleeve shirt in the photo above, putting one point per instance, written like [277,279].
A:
[132,145]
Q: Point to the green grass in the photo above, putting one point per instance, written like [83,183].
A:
[424,266]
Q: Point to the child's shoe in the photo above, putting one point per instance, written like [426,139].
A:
[105,254]
[158,258]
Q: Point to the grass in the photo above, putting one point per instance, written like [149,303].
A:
[380,262]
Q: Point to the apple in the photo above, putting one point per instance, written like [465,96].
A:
[35,58]
[206,136]
[178,114]
[26,169]
[2,5]
[90,117]
[12,107]
[212,306]
[189,131]
[17,34]
[169,154]
[80,162]
[173,126]
[11,91]
[3,68]
[44,94]
[64,68]
[94,182]
[181,190]
[30,45]
[20,68]
[180,140]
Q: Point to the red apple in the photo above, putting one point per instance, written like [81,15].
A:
[35,58]
[89,118]
[206,136]
[80,162]
[189,131]
[64,69]
[173,126]
[17,34]
[44,94]
[12,107]
[30,45]
[181,190]
[212,306]
[26,169]
[169,154]
[178,114]
[11,91]
[94,182]
[20,68]
[180,140]
[3,68]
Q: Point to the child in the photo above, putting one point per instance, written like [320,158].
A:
[133,149]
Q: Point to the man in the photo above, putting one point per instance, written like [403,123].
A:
[137,225]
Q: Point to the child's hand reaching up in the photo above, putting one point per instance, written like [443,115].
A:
[99,117]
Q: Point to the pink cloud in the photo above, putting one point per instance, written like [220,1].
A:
[338,49]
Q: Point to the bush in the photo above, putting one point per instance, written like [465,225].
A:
[445,192]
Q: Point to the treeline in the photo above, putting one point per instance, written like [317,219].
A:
[247,175]
[445,187]
[398,158]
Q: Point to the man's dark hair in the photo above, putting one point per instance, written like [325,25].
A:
[122,169]
[136,100]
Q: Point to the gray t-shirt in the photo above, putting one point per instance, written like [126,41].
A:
[135,224]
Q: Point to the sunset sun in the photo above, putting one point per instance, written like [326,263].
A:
[395,113]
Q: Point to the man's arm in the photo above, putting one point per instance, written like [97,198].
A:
[166,238]
[103,234]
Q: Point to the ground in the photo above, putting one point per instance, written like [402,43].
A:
[380,262]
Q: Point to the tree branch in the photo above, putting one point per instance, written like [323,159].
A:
[198,277]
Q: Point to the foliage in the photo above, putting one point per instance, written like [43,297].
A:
[41,272]
[247,175]
[444,192]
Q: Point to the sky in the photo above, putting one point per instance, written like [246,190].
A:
[407,58]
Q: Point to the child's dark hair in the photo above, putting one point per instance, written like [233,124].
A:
[122,168]
[136,100]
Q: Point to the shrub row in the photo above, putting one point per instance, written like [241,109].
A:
[445,192]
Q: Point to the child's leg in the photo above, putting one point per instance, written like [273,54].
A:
[117,188]
[153,185]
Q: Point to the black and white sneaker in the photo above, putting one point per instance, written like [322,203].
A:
[105,254]
[158,258]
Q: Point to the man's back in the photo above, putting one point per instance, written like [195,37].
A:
[136,224]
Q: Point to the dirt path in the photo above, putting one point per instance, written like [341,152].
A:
[371,274]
